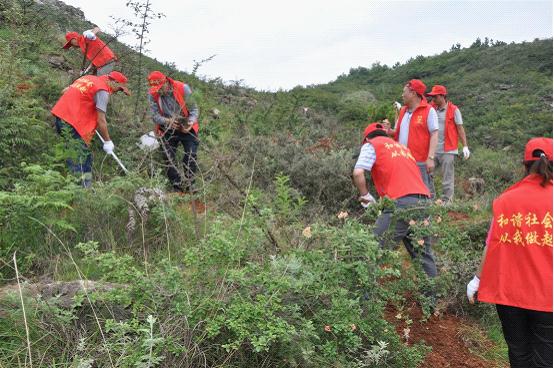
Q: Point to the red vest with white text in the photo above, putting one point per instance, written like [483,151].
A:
[419,136]
[179,95]
[518,262]
[395,172]
[77,106]
[97,51]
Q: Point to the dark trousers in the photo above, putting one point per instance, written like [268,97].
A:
[79,160]
[170,144]
[410,207]
[528,334]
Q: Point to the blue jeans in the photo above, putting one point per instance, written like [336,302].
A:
[79,161]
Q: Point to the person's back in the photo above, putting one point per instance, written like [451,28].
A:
[516,268]
[395,172]
[95,50]
[521,239]
[77,106]
[395,175]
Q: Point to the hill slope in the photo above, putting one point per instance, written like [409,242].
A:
[269,275]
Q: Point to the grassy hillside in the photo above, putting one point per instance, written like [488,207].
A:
[269,275]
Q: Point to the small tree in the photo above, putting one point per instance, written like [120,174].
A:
[140,27]
[198,64]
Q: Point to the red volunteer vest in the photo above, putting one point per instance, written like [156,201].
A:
[518,263]
[179,95]
[450,130]
[97,51]
[395,173]
[418,139]
[77,107]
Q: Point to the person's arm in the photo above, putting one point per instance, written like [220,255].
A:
[102,126]
[192,106]
[358,177]
[101,99]
[366,160]
[433,141]
[433,126]
[156,114]
[461,132]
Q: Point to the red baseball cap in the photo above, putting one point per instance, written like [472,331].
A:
[418,86]
[437,90]
[373,127]
[156,80]
[535,147]
[68,37]
[118,77]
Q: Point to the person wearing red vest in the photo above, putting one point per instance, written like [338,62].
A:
[395,175]
[80,111]
[516,268]
[451,129]
[417,128]
[175,114]
[99,55]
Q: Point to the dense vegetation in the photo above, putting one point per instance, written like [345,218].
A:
[269,275]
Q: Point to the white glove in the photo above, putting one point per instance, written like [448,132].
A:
[397,105]
[472,288]
[366,200]
[466,152]
[108,147]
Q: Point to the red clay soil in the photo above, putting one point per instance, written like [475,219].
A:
[457,216]
[442,333]
[198,206]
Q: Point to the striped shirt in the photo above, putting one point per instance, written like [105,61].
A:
[367,157]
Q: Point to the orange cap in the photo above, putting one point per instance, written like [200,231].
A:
[118,77]
[68,37]
[373,127]
[437,90]
[418,86]
[156,80]
[536,147]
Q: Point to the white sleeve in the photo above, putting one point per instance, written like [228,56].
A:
[367,157]
[89,35]
[432,121]
[458,117]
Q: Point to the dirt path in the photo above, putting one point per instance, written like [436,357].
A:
[444,333]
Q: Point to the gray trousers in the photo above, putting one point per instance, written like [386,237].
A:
[427,178]
[446,163]
[411,207]
[106,69]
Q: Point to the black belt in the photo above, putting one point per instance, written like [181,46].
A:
[422,196]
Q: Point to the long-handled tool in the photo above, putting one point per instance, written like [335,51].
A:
[114,155]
